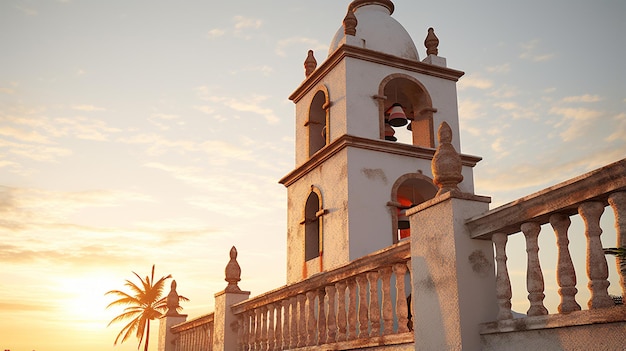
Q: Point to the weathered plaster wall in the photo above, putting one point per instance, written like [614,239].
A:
[453,275]
[592,337]
[332,181]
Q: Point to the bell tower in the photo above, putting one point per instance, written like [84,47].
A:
[354,178]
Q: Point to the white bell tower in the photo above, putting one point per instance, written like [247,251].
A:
[353,180]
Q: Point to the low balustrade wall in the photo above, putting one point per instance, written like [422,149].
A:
[354,306]
[195,334]
[586,196]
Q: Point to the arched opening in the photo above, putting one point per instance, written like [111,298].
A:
[408,94]
[408,191]
[317,122]
[312,233]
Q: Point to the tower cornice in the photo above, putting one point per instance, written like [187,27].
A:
[375,57]
[382,146]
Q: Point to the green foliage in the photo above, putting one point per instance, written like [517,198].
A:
[620,253]
[143,304]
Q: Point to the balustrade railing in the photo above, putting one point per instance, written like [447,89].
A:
[362,303]
[586,196]
[195,334]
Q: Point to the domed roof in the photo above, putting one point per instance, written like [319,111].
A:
[378,30]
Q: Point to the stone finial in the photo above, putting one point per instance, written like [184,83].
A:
[431,42]
[233,272]
[349,23]
[446,165]
[172,301]
[384,3]
[310,64]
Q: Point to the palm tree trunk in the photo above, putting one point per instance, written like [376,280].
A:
[147,335]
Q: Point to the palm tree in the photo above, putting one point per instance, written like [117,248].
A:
[143,304]
[620,254]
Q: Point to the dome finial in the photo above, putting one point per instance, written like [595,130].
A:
[385,3]
[431,42]
[310,63]
[349,23]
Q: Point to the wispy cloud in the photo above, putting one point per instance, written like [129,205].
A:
[529,52]
[36,152]
[242,22]
[504,68]
[252,104]
[33,211]
[619,131]
[88,108]
[576,121]
[7,91]
[583,98]
[546,172]
[475,81]
[29,11]
[471,109]
[216,33]
[310,43]
[265,70]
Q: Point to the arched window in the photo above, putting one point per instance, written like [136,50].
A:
[311,228]
[317,122]
[408,191]
[411,96]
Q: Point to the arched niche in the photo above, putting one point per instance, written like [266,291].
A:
[416,103]
[318,121]
[408,191]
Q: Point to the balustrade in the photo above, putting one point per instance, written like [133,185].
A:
[342,305]
[586,196]
[195,335]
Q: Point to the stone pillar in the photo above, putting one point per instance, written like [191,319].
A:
[166,337]
[453,285]
[225,323]
[170,319]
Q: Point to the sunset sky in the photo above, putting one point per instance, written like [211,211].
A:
[144,132]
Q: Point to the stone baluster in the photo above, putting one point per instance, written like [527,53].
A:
[264,328]
[402,310]
[278,335]
[251,330]
[270,327]
[321,317]
[409,266]
[597,268]
[361,279]
[341,310]
[374,307]
[618,203]
[310,318]
[293,341]
[534,275]
[352,329]
[286,344]
[386,300]
[244,332]
[565,274]
[258,330]
[301,320]
[503,282]
[331,320]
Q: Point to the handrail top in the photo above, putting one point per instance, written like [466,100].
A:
[193,323]
[564,198]
[398,252]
